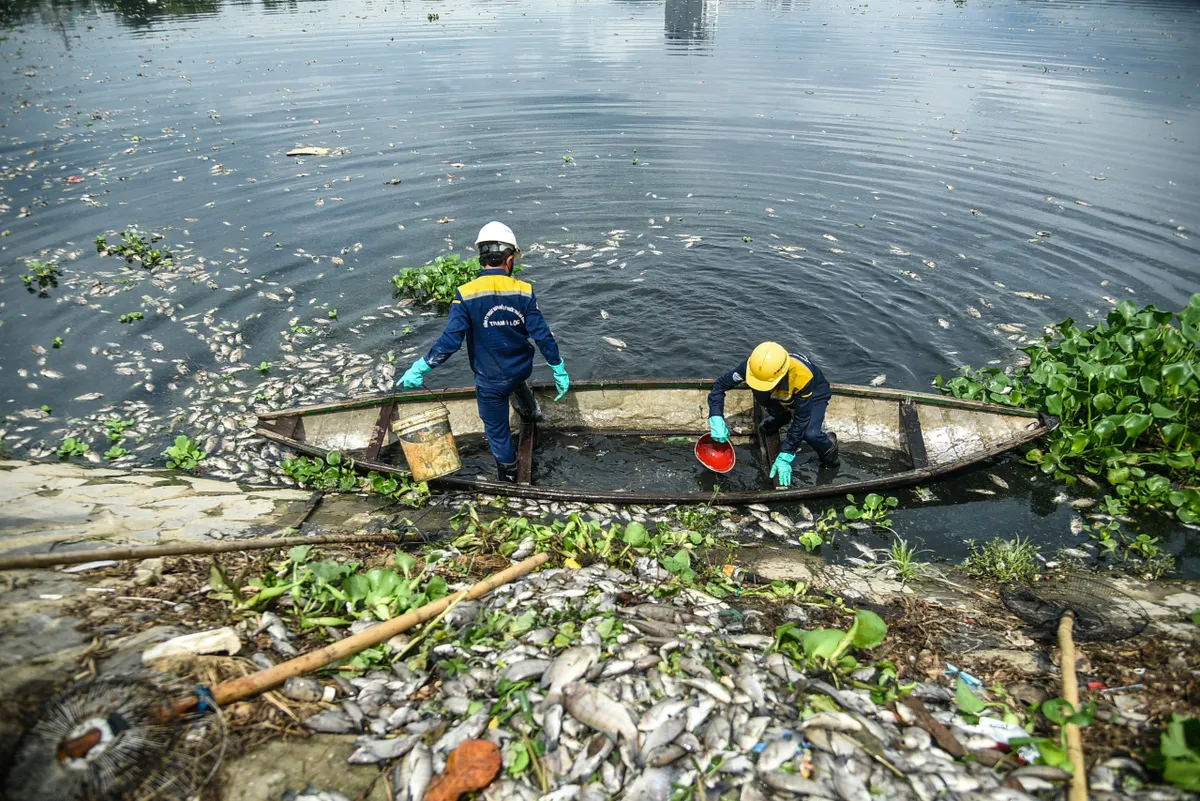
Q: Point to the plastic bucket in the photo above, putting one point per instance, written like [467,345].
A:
[716,456]
[428,444]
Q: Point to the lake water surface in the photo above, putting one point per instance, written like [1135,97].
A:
[863,182]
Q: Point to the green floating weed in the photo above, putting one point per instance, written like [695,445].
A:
[336,472]
[1124,391]
[875,509]
[115,452]
[57,342]
[41,273]
[438,280]
[132,317]
[184,454]
[72,447]
[134,248]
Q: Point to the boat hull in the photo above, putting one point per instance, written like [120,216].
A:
[934,434]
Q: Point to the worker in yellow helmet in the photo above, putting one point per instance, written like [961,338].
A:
[790,389]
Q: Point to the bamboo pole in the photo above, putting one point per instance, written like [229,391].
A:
[1070,693]
[190,549]
[237,689]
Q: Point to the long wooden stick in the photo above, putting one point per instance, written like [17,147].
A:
[189,549]
[1070,694]
[246,686]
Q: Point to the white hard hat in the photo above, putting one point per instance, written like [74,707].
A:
[497,232]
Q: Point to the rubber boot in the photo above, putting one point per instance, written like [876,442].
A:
[830,457]
[526,404]
[507,472]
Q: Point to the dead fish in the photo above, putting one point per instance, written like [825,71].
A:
[91,396]
[590,706]
[999,482]
[982,491]
[570,665]
[663,735]
[419,767]
[713,688]
[943,323]
[879,379]
[616,343]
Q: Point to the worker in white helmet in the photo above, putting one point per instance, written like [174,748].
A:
[498,315]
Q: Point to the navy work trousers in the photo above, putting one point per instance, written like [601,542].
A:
[809,418]
[493,399]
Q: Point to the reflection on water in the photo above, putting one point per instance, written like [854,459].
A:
[690,25]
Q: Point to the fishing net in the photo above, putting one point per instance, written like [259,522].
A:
[1102,612]
[116,737]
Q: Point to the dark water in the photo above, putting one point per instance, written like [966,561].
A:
[836,136]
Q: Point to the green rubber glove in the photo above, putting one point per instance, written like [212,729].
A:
[414,377]
[718,429]
[783,468]
[562,381]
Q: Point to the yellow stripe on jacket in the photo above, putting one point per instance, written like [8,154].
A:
[798,378]
[494,285]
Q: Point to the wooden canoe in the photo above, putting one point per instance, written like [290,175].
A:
[908,437]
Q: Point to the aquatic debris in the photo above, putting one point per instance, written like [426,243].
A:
[310,151]
[616,343]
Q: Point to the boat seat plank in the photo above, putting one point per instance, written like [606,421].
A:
[525,453]
[286,426]
[914,438]
[768,447]
[379,432]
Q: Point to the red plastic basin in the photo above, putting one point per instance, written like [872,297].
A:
[716,456]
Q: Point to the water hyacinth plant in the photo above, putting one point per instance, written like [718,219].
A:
[438,280]
[1125,392]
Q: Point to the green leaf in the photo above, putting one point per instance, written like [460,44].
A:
[1162,412]
[821,643]
[868,630]
[1135,424]
[405,563]
[299,554]
[1056,710]
[1177,374]
[967,701]
[1103,401]
[333,458]
[437,588]
[635,535]
[1149,386]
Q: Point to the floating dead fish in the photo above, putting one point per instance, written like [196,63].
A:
[1031,296]
[616,343]
[91,396]
[310,151]
[879,379]
[943,323]
[999,482]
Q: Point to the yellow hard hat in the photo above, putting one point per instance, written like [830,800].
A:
[767,365]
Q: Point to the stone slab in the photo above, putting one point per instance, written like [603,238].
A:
[209,485]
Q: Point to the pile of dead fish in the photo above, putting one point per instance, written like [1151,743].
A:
[687,701]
